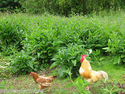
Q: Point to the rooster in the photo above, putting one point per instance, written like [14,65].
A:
[88,74]
[42,81]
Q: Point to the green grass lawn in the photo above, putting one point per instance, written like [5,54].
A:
[26,82]
[60,86]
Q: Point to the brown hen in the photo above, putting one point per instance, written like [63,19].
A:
[42,81]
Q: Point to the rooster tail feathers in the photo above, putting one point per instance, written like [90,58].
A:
[105,75]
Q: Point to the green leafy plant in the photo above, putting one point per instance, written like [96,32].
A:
[11,36]
[23,63]
[81,85]
[42,47]
[68,59]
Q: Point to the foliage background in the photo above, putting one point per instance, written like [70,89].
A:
[47,40]
[61,7]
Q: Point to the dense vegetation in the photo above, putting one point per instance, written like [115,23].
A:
[61,7]
[46,40]
[30,42]
[10,6]
[33,39]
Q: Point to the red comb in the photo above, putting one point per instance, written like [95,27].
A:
[84,56]
[31,73]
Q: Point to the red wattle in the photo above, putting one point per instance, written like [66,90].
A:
[81,60]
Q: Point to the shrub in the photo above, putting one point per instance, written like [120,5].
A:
[22,63]
[11,36]
[81,88]
[92,36]
[10,5]
[67,7]
[67,60]
[61,41]
[42,46]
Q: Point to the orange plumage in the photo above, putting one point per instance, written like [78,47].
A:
[42,81]
[88,74]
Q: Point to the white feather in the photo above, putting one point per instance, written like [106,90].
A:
[81,70]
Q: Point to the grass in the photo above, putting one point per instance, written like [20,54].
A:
[25,82]
[4,61]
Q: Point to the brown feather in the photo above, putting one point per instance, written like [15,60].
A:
[43,81]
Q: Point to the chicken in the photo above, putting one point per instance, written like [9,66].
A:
[88,74]
[42,81]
